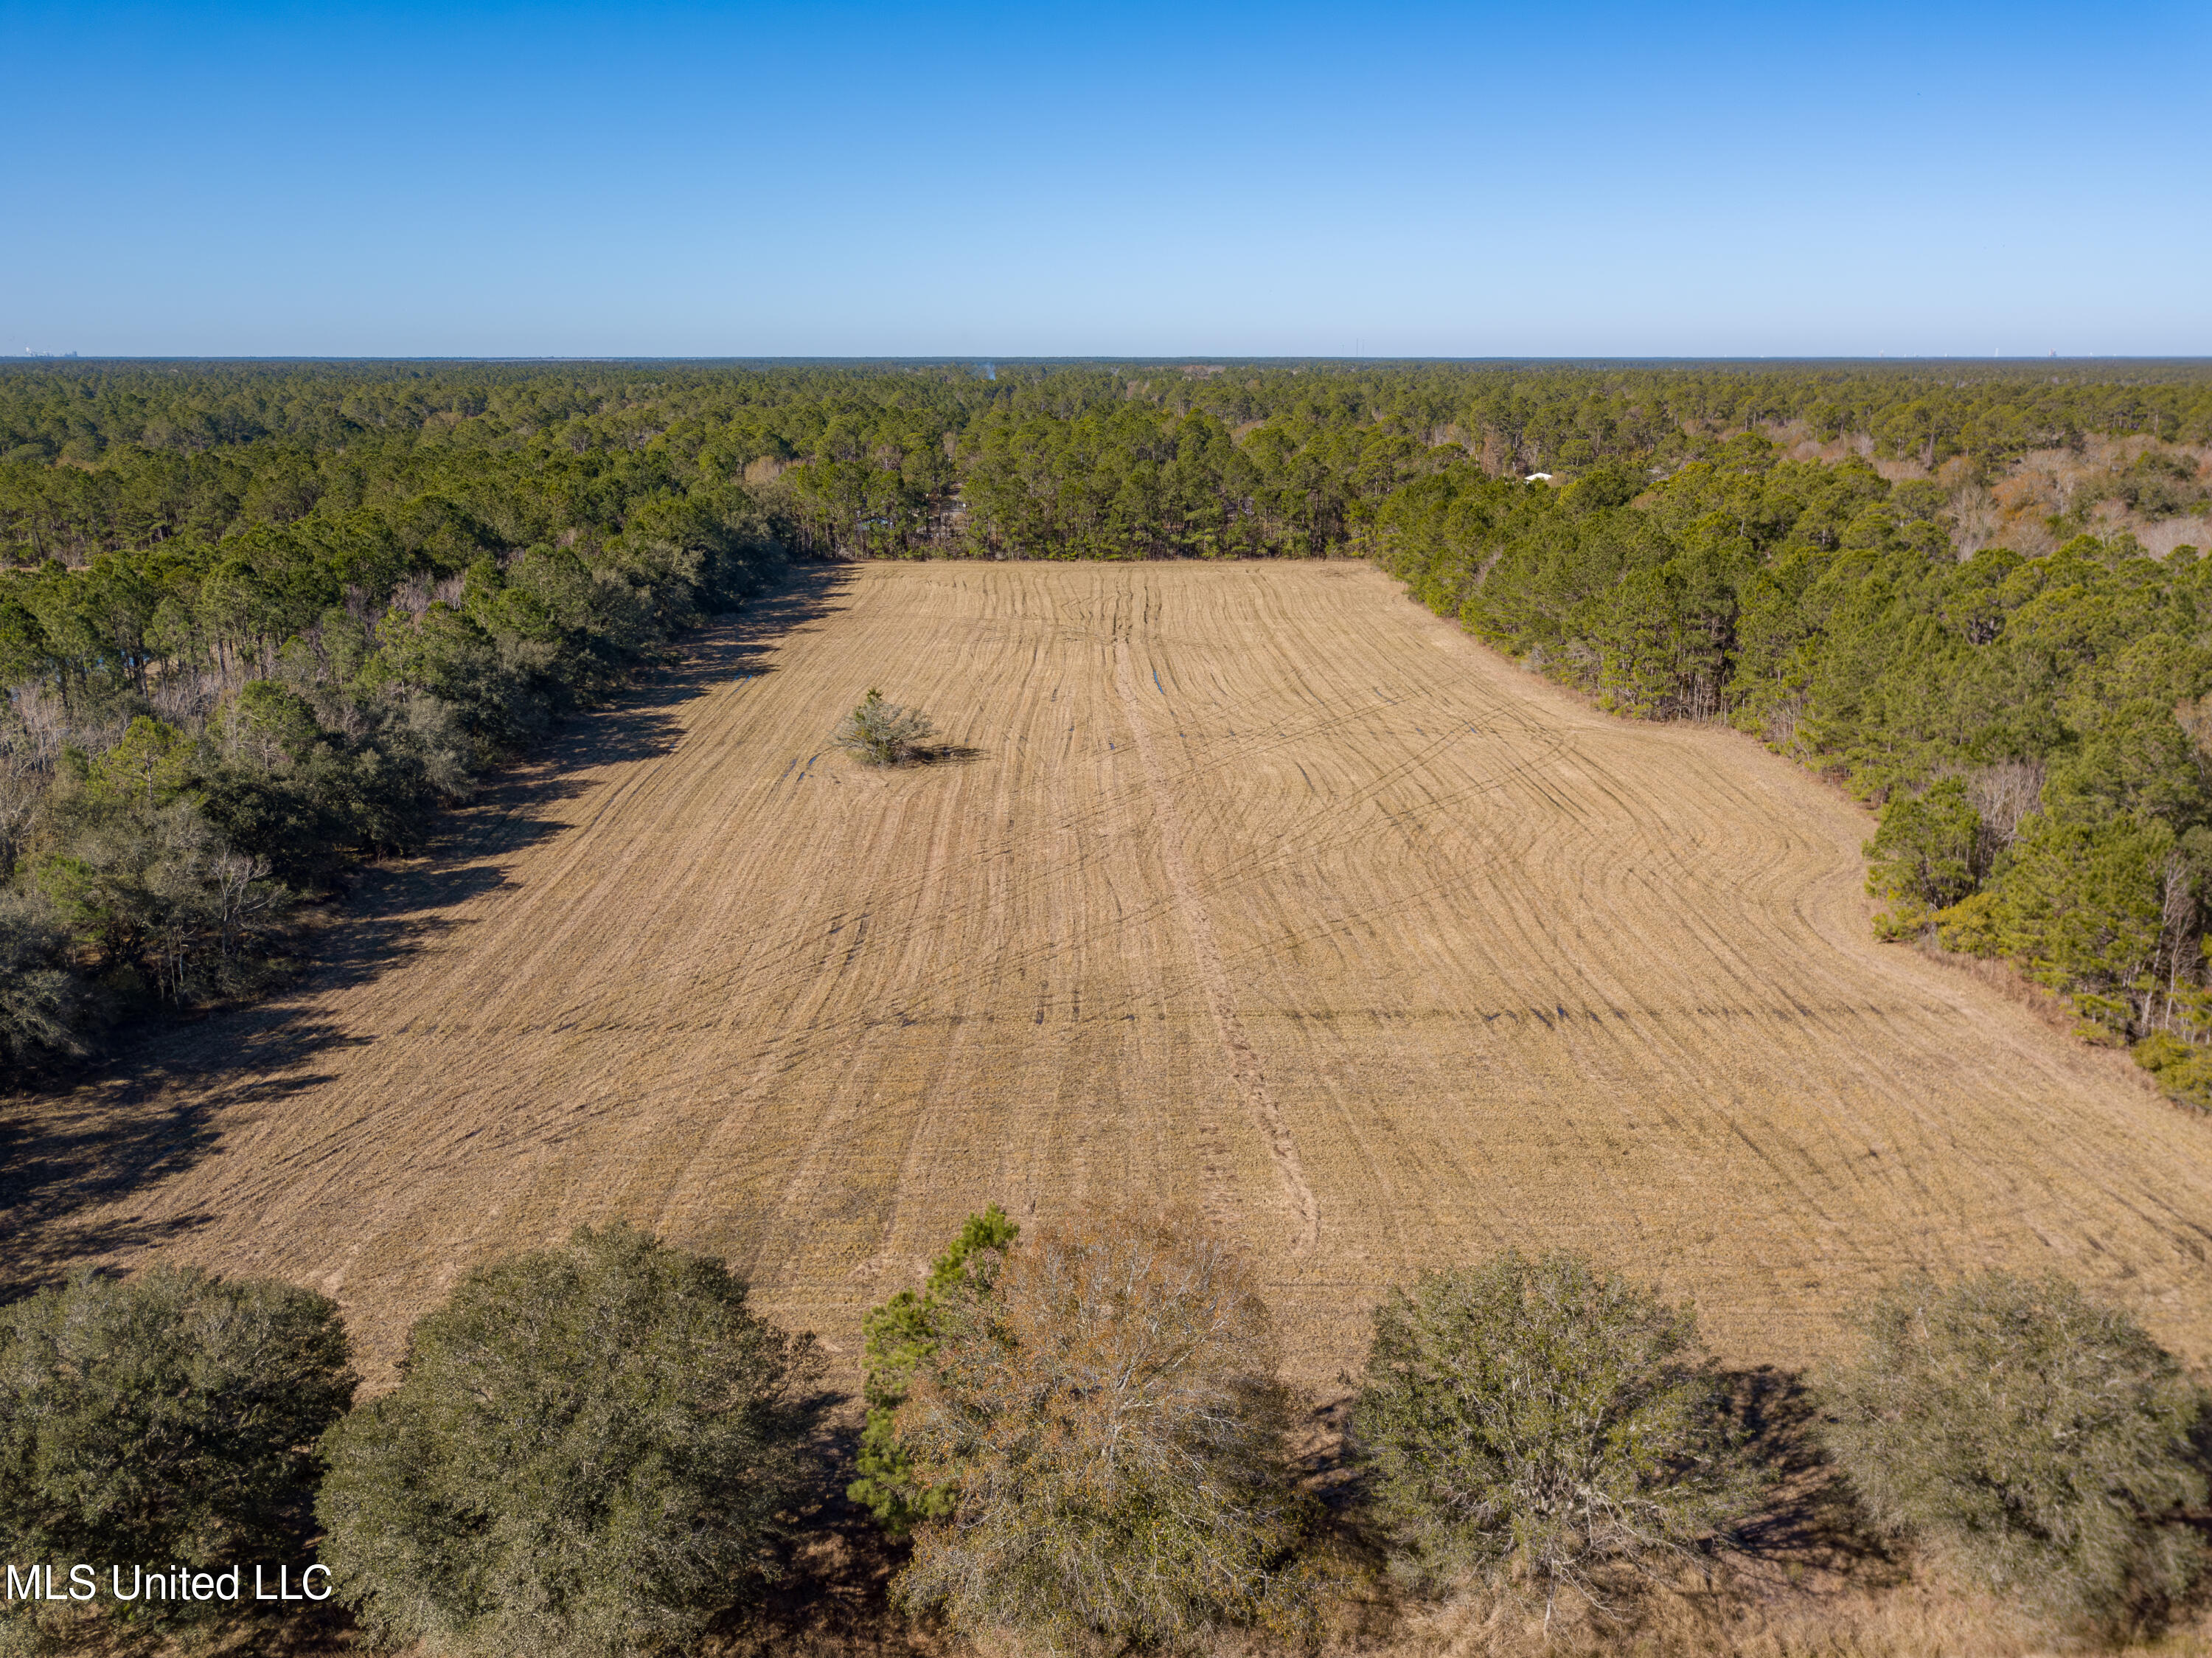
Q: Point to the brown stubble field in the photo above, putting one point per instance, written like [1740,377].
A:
[1253,887]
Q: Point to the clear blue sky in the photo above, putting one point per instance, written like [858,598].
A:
[459,179]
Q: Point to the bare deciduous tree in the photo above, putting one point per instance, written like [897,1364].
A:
[1111,1428]
[2002,795]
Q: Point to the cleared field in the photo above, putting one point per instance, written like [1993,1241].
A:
[1260,889]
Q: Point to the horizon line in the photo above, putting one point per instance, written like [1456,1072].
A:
[987,358]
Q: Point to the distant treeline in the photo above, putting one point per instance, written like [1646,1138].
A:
[257,620]
[1022,461]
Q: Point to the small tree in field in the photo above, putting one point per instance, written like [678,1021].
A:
[1537,1419]
[1107,1425]
[2047,1443]
[586,1457]
[169,1418]
[878,733]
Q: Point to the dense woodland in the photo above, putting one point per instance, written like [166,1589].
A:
[260,621]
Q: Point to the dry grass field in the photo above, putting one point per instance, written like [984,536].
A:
[1253,886]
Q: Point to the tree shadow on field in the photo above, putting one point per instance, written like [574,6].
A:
[150,1110]
[950,754]
[66,1153]
[1813,1518]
